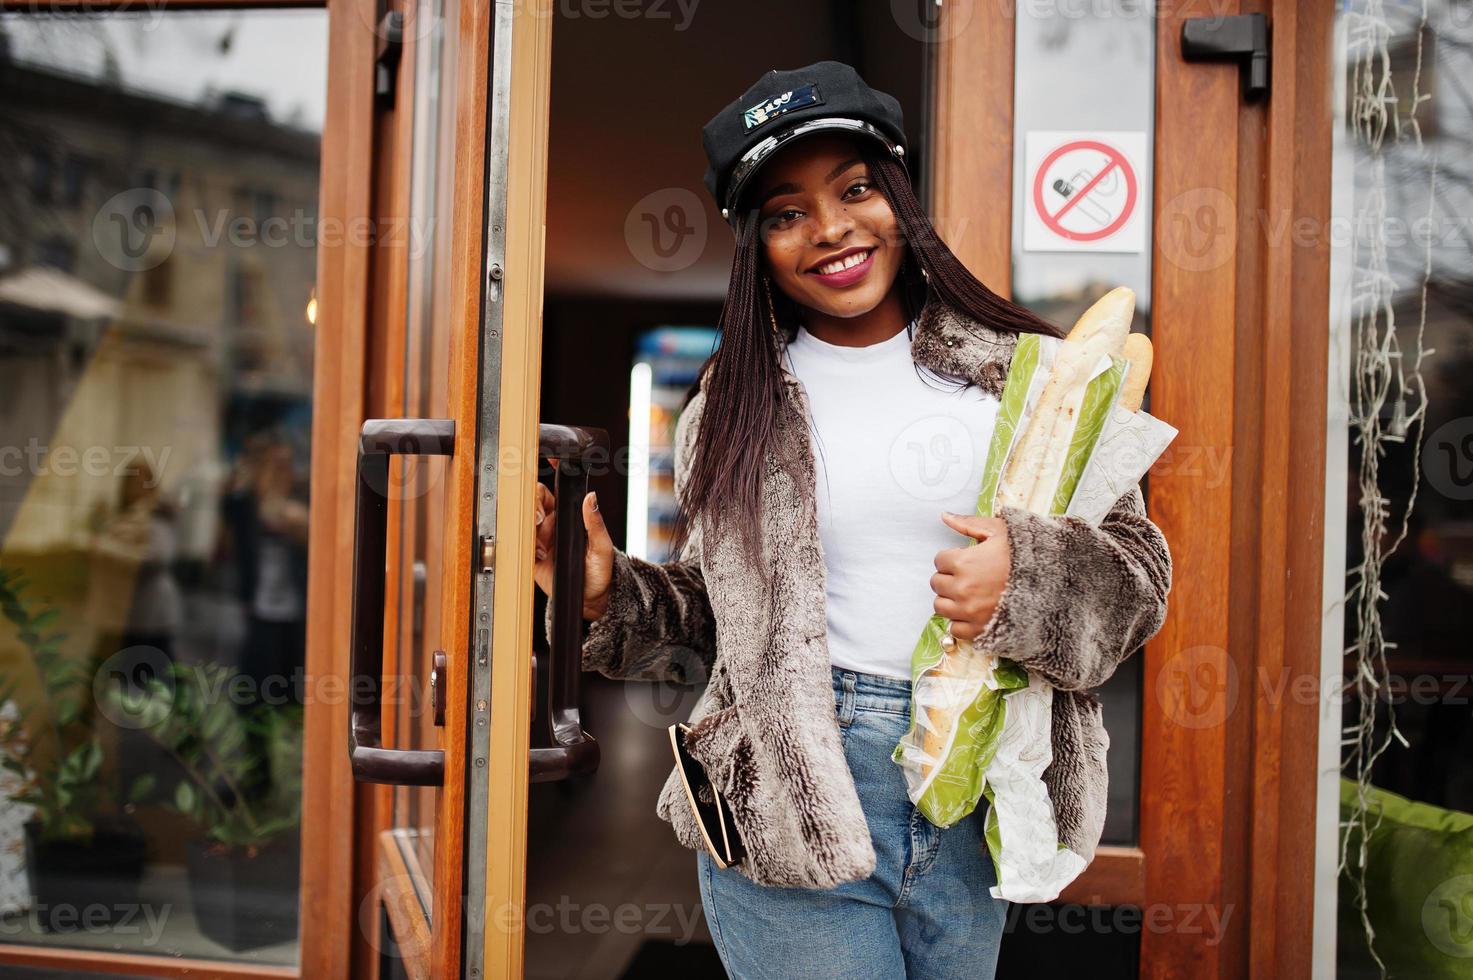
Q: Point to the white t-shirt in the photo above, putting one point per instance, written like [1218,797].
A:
[892,451]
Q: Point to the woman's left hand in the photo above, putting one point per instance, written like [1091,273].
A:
[970,579]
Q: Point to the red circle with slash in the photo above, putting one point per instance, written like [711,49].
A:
[1115,159]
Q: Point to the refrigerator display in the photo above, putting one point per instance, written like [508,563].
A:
[666,362]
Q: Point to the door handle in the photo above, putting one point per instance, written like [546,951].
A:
[371,762]
[560,746]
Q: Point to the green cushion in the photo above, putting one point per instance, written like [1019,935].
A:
[1419,888]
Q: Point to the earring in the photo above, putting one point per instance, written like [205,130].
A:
[771,312]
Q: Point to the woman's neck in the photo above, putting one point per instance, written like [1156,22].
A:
[879,324]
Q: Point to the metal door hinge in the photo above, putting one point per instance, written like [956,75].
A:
[1243,38]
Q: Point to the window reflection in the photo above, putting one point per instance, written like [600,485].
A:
[1400,472]
[157,258]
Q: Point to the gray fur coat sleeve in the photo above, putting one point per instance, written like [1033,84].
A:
[659,625]
[1080,599]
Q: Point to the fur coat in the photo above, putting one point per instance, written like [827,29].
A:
[1079,599]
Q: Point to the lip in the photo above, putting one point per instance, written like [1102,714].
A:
[849,276]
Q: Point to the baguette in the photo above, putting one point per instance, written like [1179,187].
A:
[1041,452]
[1140,354]
[955,664]
[1032,473]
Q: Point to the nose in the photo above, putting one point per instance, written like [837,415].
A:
[831,223]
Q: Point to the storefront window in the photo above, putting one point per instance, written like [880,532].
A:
[157,266]
[1399,524]
[1084,115]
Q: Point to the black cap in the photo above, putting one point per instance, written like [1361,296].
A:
[783,105]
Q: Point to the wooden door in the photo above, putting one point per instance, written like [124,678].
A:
[1238,311]
[410,828]
[461,295]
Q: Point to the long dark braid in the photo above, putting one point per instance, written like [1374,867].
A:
[951,281]
[745,399]
[745,391]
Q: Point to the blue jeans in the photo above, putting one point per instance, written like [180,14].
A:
[925,911]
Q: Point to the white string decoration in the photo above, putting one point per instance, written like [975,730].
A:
[1384,376]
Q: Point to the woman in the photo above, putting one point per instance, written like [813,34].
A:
[828,466]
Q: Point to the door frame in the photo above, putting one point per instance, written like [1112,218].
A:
[511,378]
[1246,593]
[332,898]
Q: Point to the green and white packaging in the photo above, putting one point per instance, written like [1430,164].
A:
[980,724]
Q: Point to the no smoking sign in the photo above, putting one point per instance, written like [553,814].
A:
[1085,191]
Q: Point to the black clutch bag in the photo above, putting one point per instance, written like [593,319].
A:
[712,814]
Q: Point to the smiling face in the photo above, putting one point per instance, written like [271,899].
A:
[831,239]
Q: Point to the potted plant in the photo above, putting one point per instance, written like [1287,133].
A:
[84,859]
[242,787]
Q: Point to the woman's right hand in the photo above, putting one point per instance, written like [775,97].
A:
[598,562]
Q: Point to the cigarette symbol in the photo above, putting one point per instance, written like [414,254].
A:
[1066,188]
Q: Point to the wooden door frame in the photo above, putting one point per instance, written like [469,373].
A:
[528,52]
[333,897]
[1228,808]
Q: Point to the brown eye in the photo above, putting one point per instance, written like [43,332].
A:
[857,188]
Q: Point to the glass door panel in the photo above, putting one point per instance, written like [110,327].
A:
[1097,126]
[1399,493]
[157,305]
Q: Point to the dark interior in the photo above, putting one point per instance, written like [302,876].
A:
[611,893]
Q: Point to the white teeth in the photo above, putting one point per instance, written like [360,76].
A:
[839,265]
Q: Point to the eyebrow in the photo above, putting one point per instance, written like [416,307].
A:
[791,188]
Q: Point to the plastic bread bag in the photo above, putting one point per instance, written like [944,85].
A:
[979,723]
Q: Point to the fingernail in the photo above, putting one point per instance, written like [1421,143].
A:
[541,554]
[539,516]
[595,501]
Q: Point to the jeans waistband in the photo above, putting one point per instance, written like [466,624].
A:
[879,686]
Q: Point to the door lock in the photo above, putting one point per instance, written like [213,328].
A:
[437,687]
